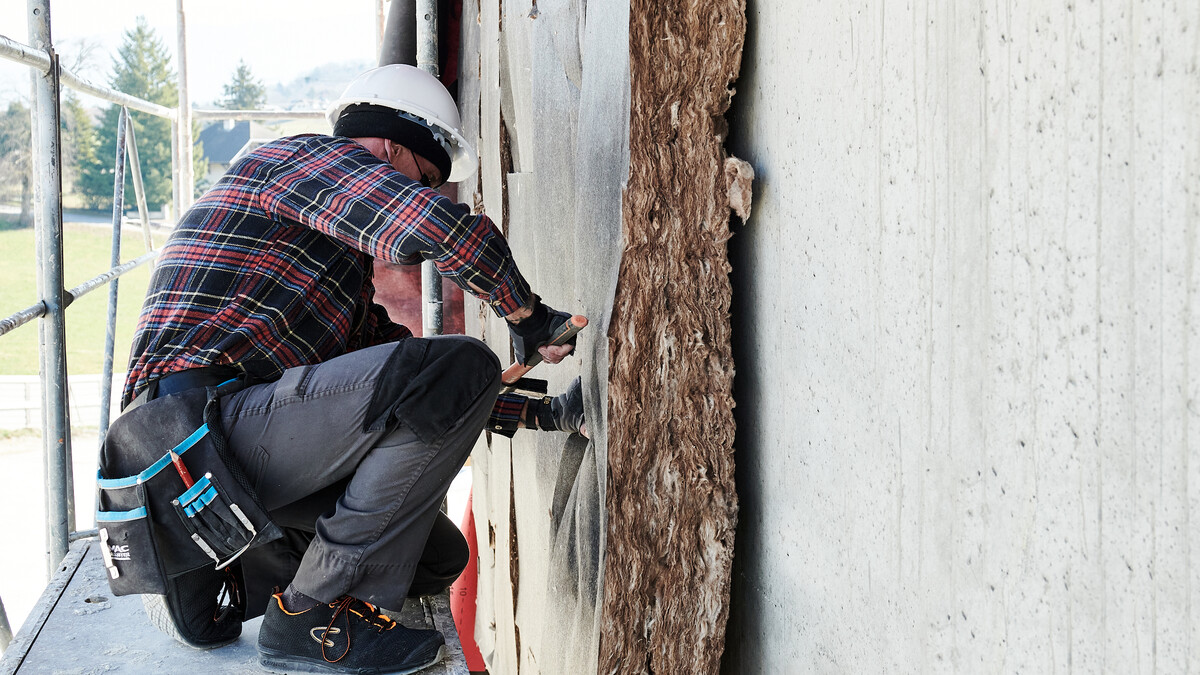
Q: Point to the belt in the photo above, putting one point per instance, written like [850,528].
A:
[192,378]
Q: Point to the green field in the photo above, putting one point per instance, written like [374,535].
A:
[86,252]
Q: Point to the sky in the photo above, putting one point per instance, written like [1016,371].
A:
[278,39]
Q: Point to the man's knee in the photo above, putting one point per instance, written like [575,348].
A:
[433,383]
[468,353]
[463,362]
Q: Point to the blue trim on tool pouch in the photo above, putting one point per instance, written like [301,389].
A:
[111,516]
[196,489]
[130,481]
[203,501]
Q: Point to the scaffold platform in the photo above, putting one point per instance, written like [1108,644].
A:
[78,627]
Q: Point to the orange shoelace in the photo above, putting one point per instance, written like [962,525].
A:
[365,611]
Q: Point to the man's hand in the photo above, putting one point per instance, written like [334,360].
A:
[533,328]
[555,353]
[561,413]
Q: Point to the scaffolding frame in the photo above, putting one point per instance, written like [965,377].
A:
[49,78]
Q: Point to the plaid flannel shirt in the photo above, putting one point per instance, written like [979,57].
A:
[272,267]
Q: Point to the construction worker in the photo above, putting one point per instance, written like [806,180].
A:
[351,429]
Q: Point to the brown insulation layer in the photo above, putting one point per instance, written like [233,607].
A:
[671,502]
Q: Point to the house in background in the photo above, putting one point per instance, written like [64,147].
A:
[226,140]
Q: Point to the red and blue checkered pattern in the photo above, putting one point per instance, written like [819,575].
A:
[272,267]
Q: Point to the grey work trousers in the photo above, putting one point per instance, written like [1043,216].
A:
[365,444]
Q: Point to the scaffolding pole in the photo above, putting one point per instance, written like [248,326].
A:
[15,51]
[427,60]
[110,330]
[6,634]
[187,183]
[380,26]
[56,427]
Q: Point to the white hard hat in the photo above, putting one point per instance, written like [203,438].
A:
[416,94]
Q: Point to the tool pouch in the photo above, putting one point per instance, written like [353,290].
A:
[153,527]
[126,541]
[216,524]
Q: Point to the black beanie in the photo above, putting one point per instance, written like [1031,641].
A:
[363,120]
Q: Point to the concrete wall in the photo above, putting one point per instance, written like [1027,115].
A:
[966,314]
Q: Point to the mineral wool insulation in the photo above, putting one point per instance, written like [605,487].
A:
[671,504]
[625,542]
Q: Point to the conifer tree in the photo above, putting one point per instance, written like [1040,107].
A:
[79,141]
[142,68]
[244,91]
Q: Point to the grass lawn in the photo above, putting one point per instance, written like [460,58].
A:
[86,251]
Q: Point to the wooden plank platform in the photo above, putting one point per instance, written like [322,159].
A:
[79,627]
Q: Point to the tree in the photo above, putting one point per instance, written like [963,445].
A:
[77,146]
[16,158]
[244,92]
[142,68]
[79,141]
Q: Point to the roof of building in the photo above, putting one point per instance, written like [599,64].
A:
[223,140]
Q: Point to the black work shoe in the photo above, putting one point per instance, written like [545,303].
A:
[345,636]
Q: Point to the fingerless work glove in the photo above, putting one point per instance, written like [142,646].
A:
[536,330]
[560,413]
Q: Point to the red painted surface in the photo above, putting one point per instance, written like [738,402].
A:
[398,289]
[462,596]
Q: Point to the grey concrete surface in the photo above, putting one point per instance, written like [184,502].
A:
[23,578]
[23,566]
[79,627]
[967,309]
